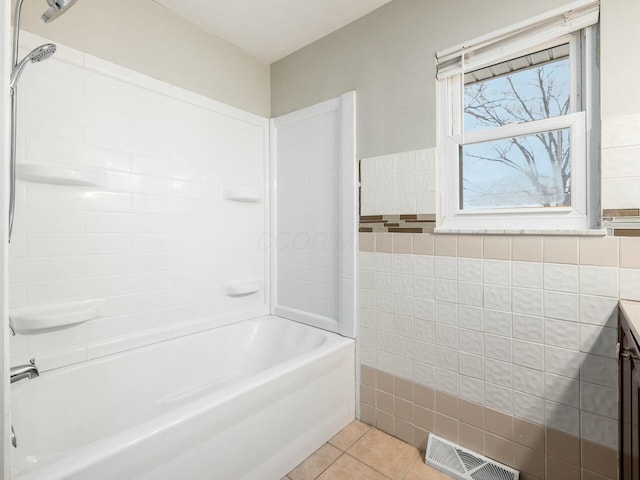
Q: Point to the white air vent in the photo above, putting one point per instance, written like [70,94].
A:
[464,464]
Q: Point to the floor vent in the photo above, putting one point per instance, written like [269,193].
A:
[463,464]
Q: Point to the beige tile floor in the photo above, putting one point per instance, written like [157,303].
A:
[361,452]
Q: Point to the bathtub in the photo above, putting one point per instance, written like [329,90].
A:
[245,401]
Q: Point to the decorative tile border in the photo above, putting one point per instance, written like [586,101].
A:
[409,223]
[623,222]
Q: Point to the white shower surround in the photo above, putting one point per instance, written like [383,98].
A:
[247,401]
[160,240]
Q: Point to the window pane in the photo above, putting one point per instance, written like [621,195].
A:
[519,172]
[527,88]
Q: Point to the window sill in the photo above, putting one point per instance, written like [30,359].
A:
[597,232]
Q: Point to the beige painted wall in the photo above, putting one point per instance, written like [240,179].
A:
[388,57]
[146,37]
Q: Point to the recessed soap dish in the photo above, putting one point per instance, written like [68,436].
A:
[58,175]
[245,196]
[47,317]
[242,288]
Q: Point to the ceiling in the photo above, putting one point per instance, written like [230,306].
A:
[271,29]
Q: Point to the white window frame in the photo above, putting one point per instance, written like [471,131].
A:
[584,200]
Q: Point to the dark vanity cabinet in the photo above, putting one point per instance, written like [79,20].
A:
[629,360]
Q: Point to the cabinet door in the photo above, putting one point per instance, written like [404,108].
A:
[629,407]
[626,378]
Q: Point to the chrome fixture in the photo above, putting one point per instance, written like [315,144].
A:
[36,55]
[12,327]
[24,371]
[56,8]
[14,440]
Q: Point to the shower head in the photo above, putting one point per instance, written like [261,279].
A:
[36,55]
[56,8]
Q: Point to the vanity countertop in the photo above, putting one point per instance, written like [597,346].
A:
[631,311]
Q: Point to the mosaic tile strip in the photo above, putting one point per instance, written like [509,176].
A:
[410,223]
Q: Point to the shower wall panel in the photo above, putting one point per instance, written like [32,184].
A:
[157,238]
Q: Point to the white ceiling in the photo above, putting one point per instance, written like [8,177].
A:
[271,29]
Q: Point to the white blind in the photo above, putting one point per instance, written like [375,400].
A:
[521,37]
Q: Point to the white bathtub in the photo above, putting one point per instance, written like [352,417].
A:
[245,401]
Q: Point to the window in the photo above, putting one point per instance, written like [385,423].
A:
[515,128]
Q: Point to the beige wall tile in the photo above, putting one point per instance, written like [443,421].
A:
[349,435]
[471,437]
[384,242]
[384,421]
[599,459]
[367,242]
[384,381]
[316,463]
[526,476]
[527,248]
[528,460]
[424,418]
[601,251]
[423,244]
[403,409]
[559,470]
[529,434]
[402,243]
[446,245]
[384,401]
[368,395]
[498,448]
[470,246]
[420,438]
[447,404]
[629,252]
[588,475]
[446,427]
[471,413]
[498,423]
[385,454]
[367,414]
[497,247]
[563,446]
[424,396]
[367,375]
[403,388]
[560,250]
[403,430]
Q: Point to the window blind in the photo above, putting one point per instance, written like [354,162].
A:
[517,39]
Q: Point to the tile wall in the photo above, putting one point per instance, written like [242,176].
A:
[157,239]
[621,162]
[399,183]
[504,344]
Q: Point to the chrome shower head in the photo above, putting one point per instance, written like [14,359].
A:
[42,52]
[56,8]
[36,55]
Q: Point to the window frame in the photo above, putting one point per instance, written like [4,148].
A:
[584,140]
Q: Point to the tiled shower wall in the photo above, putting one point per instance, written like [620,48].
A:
[621,162]
[399,183]
[503,344]
[157,239]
